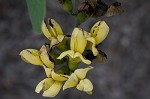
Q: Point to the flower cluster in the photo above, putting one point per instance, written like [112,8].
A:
[82,48]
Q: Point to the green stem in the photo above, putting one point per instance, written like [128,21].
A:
[63,70]
[56,61]
[73,65]
[62,46]
[75,6]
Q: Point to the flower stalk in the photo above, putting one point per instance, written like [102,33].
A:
[72,64]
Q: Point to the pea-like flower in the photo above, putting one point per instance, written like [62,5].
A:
[78,79]
[97,34]
[52,84]
[54,34]
[77,45]
[37,57]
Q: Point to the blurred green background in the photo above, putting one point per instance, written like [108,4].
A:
[126,75]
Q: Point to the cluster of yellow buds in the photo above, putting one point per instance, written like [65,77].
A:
[82,48]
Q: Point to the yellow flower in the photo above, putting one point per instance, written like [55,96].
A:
[77,45]
[99,31]
[97,34]
[85,85]
[52,84]
[37,57]
[55,34]
[78,79]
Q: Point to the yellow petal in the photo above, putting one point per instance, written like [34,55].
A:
[81,73]
[48,83]
[94,30]
[56,27]
[63,54]
[60,38]
[46,58]
[31,56]
[71,82]
[48,71]
[94,49]
[80,86]
[46,31]
[81,40]
[88,86]
[54,41]
[86,61]
[78,40]
[74,55]
[53,90]
[53,32]
[58,77]
[73,43]
[39,87]
[99,31]
[85,85]
[44,84]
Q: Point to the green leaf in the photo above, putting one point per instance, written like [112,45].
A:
[36,10]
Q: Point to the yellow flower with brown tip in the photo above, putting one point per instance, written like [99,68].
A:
[78,79]
[52,84]
[77,46]
[37,57]
[97,34]
[54,34]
